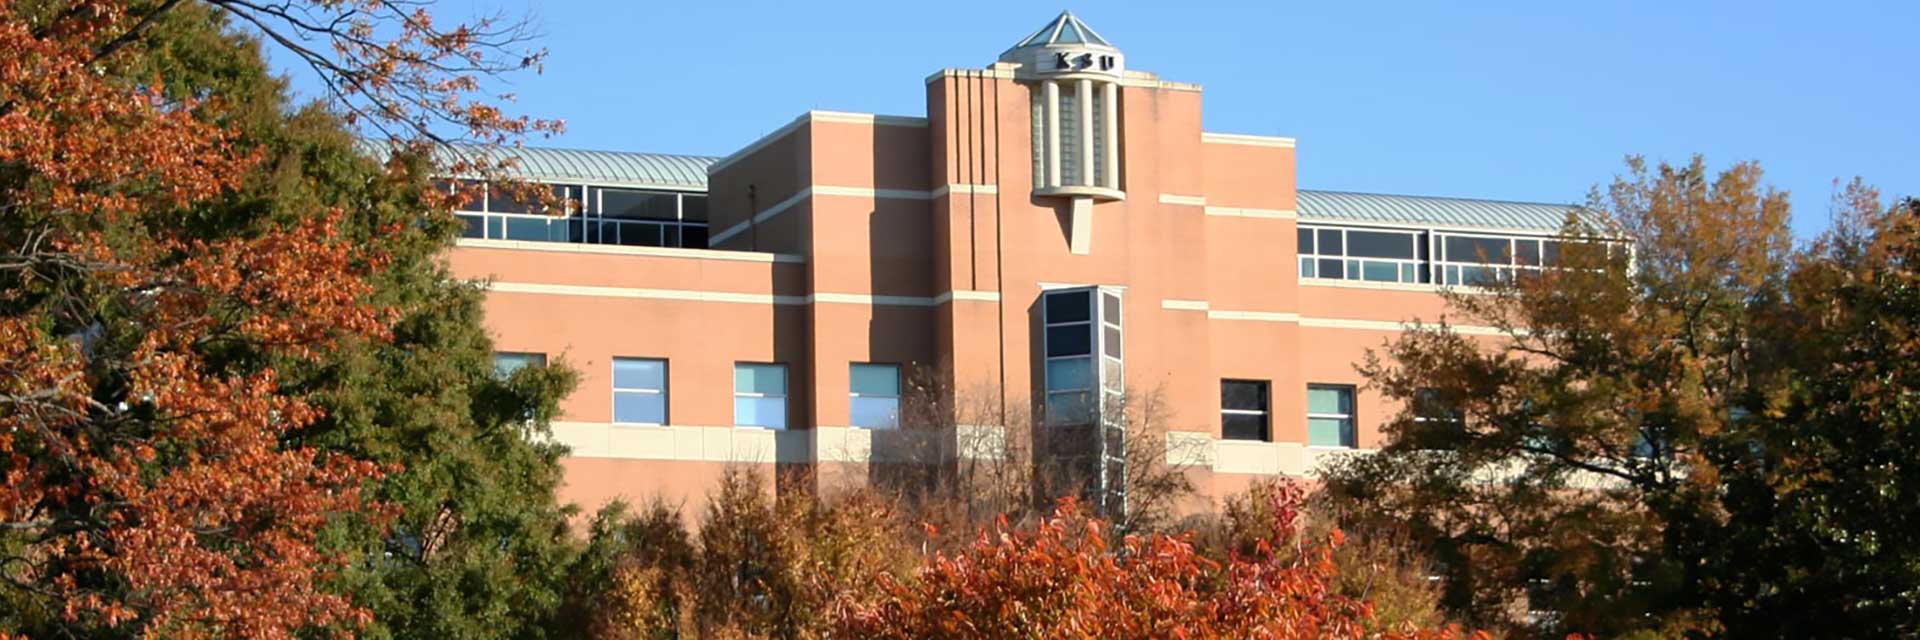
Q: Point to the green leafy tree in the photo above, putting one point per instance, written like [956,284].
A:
[1631,454]
[452,529]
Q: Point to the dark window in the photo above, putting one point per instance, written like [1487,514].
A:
[1072,306]
[1550,252]
[1526,252]
[1479,250]
[476,226]
[1330,244]
[634,204]
[1430,406]
[1112,346]
[1380,244]
[693,208]
[694,236]
[1332,268]
[1243,410]
[1069,340]
[1305,239]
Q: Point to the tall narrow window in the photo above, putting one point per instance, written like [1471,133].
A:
[760,395]
[1330,416]
[874,391]
[507,362]
[639,390]
[1070,380]
[1243,410]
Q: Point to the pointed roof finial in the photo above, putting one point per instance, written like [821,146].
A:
[1066,29]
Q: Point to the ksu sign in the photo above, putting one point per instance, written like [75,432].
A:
[1065,61]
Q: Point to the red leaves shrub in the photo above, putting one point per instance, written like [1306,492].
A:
[1063,579]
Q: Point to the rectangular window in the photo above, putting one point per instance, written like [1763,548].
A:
[505,363]
[1070,376]
[1330,416]
[1243,410]
[760,395]
[874,391]
[640,390]
[1430,407]
[1372,255]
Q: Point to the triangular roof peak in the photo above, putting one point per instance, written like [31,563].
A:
[1066,29]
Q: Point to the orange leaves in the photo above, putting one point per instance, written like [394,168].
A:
[1062,579]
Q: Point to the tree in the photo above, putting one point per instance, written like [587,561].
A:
[230,363]
[1607,462]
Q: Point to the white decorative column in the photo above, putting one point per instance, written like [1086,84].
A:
[1111,111]
[1053,133]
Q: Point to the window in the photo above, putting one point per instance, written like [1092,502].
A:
[639,390]
[1070,378]
[1429,406]
[760,395]
[1330,416]
[507,362]
[638,217]
[1243,410]
[1372,255]
[875,395]
[1483,260]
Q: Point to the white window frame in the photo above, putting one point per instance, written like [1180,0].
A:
[854,395]
[786,382]
[666,371]
[1266,415]
[1351,417]
[1352,267]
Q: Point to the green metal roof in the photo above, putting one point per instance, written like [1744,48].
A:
[1340,206]
[605,168]
[634,169]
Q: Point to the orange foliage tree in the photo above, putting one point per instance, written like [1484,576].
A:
[1064,579]
[147,487]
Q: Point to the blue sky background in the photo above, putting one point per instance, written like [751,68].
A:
[1517,101]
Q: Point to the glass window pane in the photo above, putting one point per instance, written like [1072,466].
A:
[768,379]
[693,207]
[1550,253]
[1330,244]
[1241,426]
[1245,395]
[1070,340]
[760,412]
[640,408]
[1305,239]
[1069,373]
[1409,273]
[875,413]
[501,199]
[1479,276]
[496,227]
[1526,252]
[672,235]
[694,236]
[637,373]
[505,363]
[1110,374]
[875,380]
[1070,408]
[1110,342]
[476,226]
[1306,268]
[1332,268]
[1070,306]
[532,229]
[634,204]
[1380,244]
[1374,271]
[1110,308]
[1329,432]
[1329,400]
[1478,250]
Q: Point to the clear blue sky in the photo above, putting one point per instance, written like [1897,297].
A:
[1518,100]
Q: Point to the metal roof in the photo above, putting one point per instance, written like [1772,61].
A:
[607,168]
[634,169]
[1064,29]
[1340,206]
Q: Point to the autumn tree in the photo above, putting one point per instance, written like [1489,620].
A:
[236,396]
[1630,454]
